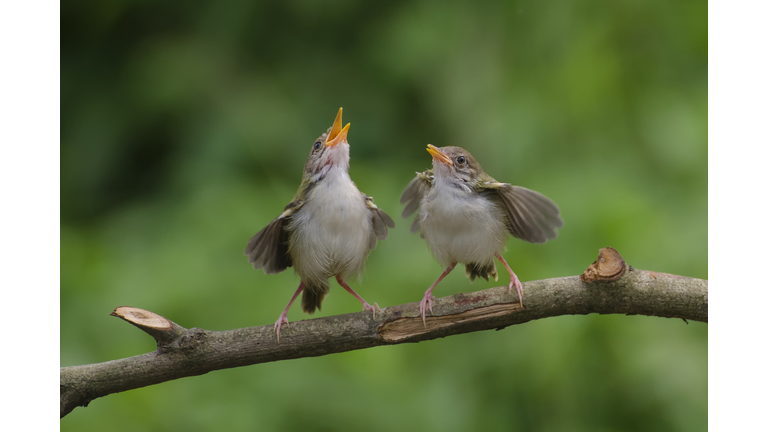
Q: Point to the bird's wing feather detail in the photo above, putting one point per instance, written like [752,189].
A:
[413,194]
[379,220]
[531,216]
[415,191]
[493,185]
[268,249]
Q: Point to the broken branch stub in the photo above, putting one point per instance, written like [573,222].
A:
[608,267]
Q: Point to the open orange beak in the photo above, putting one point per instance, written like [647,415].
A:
[337,134]
[439,155]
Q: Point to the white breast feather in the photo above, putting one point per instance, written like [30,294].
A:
[331,233]
[459,226]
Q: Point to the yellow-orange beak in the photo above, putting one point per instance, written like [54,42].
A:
[337,134]
[438,155]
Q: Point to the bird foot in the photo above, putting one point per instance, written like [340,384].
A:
[280,321]
[373,308]
[426,301]
[515,282]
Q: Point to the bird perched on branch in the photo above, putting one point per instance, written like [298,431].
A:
[326,231]
[464,215]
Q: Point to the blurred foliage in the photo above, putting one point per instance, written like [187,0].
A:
[184,128]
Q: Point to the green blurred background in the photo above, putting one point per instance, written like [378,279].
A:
[184,128]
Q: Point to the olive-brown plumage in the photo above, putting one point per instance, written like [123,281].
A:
[326,231]
[465,215]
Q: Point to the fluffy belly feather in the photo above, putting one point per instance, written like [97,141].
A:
[331,232]
[460,227]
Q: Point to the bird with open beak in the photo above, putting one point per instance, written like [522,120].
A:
[326,231]
[464,215]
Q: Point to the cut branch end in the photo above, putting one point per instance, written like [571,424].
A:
[142,318]
[157,326]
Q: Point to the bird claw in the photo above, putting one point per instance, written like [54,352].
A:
[515,282]
[373,308]
[426,301]
[280,321]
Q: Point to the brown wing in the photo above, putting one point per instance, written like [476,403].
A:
[413,193]
[531,216]
[268,249]
[380,221]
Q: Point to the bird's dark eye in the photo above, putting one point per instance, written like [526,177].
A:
[461,160]
[317,146]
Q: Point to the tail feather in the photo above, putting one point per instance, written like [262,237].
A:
[313,296]
[484,271]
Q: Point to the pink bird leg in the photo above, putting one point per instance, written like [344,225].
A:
[284,316]
[513,280]
[366,306]
[428,297]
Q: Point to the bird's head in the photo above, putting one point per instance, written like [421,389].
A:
[455,165]
[330,150]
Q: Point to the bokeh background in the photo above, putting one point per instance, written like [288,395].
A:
[184,128]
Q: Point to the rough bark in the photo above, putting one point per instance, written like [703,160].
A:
[608,286]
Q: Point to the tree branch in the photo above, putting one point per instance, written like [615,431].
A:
[608,286]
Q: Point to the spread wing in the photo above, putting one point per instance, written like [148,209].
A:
[268,249]
[379,220]
[531,216]
[413,193]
